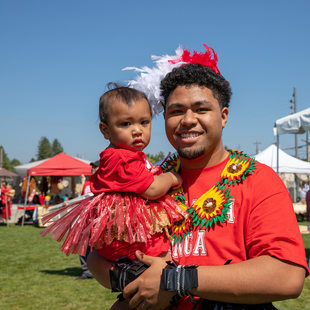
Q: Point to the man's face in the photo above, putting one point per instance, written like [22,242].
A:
[194,121]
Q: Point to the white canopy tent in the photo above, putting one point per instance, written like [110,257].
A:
[21,170]
[287,163]
[297,123]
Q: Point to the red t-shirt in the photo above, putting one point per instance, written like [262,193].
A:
[2,192]
[121,170]
[261,221]
[4,197]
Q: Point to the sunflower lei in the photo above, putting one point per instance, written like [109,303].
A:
[211,208]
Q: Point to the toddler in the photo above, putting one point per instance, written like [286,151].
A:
[130,209]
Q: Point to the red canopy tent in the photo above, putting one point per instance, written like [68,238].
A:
[61,165]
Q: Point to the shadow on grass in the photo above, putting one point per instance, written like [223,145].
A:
[71,272]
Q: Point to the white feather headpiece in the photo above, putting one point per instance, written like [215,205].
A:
[149,79]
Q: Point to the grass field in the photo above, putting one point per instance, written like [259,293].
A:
[35,274]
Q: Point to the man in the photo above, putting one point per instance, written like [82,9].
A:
[238,210]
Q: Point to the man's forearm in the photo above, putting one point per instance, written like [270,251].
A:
[259,280]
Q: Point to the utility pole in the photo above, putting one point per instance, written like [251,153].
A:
[257,143]
[307,144]
[294,108]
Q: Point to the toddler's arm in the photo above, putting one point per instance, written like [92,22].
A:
[161,184]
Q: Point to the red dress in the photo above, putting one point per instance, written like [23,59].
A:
[6,202]
[117,220]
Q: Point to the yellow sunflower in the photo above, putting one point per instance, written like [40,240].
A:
[211,207]
[171,163]
[180,229]
[235,168]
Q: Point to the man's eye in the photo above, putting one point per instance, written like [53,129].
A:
[175,112]
[201,110]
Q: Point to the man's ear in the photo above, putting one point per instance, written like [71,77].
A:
[224,117]
[104,130]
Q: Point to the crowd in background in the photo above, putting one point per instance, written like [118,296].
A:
[41,191]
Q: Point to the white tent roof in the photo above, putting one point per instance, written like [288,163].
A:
[22,169]
[296,123]
[287,163]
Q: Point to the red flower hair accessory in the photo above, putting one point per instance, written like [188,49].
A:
[148,80]
[208,58]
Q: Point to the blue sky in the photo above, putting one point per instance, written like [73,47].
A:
[56,58]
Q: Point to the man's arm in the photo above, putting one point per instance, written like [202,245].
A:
[258,280]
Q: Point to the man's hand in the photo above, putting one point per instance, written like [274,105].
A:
[177,180]
[143,293]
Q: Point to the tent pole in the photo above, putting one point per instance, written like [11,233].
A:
[25,202]
[7,212]
[73,186]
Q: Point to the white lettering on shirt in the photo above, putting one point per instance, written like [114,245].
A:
[185,247]
[188,244]
[200,248]
[231,213]
[178,249]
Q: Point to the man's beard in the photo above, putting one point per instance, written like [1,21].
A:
[191,154]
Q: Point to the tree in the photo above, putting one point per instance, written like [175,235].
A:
[155,158]
[56,147]
[6,162]
[44,149]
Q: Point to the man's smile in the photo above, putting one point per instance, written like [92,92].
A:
[189,137]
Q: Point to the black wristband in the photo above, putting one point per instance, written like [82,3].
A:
[124,271]
[180,279]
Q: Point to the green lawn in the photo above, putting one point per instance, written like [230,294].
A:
[35,274]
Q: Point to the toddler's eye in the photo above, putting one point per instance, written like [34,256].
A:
[145,122]
[125,124]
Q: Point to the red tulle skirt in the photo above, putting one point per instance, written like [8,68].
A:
[122,218]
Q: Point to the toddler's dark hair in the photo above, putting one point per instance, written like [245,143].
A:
[117,92]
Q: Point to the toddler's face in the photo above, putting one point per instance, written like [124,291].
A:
[128,126]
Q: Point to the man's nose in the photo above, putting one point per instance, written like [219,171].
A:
[189,118]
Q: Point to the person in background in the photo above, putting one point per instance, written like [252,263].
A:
[86,274]
[7,195]
[2,199]
[303,189]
